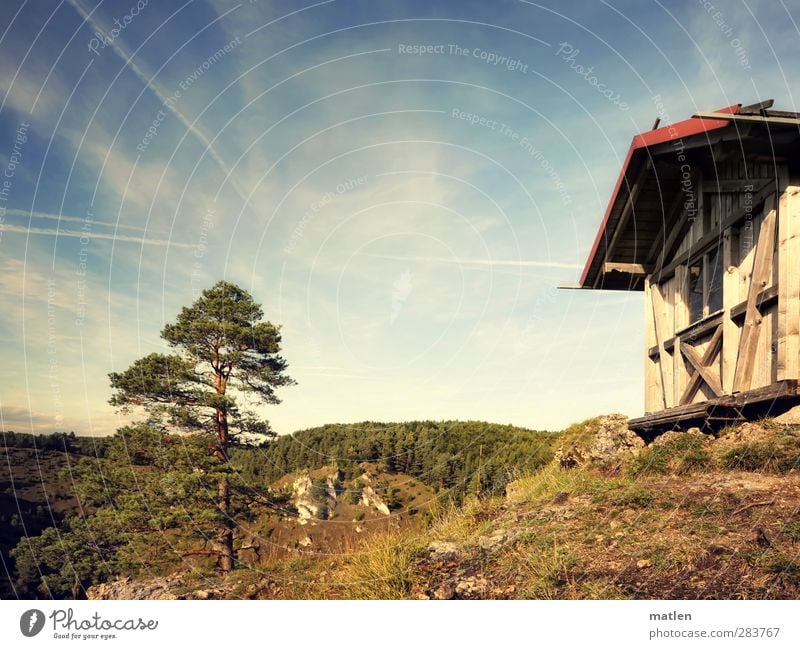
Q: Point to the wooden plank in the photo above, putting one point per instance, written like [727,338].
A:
[762,266]
[730,296]
[708,358]
[655,398]
[705,372]
[789,121]
[669,217]
[664,360]
[735,185]
[621,267]
[788,361]
[766,299]
[627,210]
[755,109]
[680,374]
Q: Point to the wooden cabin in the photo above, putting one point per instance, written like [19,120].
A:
[705,220]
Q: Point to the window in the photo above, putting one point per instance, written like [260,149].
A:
[705,285]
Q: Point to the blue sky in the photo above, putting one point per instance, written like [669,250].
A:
[401,184]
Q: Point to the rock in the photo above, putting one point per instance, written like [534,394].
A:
[305,541]
[371,499]
[791,417]
[644,563]
[160,588]
[613,438]
[569,458]
[675,436]
[746,432]
[200,594]
[443,551]
[303,500]
[498,539]
[471,586]
[444,591]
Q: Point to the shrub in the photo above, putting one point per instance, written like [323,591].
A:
[750,456]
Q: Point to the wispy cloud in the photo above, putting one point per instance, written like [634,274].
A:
[106,236]
[158,91]
[63,218]
[463,261]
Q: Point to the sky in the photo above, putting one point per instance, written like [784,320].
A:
[402,185]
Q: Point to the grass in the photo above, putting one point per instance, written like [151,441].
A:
[380,570]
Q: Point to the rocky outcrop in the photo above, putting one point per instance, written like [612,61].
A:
[676,437]
[370,498]
[303,499]
[613,438]
[610,438]
[126,588]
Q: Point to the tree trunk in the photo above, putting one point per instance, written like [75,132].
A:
[225,534]
[225,540]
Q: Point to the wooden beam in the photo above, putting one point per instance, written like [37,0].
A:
[755,109]
[790,121]
[621,267]
[627,210]
[714,346]
[789,284]
[765,299]
[712,238]
[748,343]
[735,186]
[664,360]
[730,296]
[696,361]
[669,216]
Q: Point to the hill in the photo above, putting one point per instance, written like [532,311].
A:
[144,496]
[448,456]
[35,493]
[687,516]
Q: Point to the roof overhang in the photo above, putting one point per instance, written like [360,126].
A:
[610,265]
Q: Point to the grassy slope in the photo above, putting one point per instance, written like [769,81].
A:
[680,521]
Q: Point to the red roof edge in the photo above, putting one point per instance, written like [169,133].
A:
[669,133]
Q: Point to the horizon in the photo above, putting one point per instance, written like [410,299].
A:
[401,187]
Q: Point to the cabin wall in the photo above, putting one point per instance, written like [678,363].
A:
[677,338]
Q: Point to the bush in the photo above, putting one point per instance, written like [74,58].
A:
[750,456]
[650,460]
[678,453]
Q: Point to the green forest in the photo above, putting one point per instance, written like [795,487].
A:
[452,456]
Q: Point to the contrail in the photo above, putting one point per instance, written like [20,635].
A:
[154,87]
[70,219]
[479,262]
[77,234]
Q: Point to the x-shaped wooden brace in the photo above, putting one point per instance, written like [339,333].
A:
[702,367]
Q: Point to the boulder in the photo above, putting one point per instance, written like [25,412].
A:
[443,551]
[613,438]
